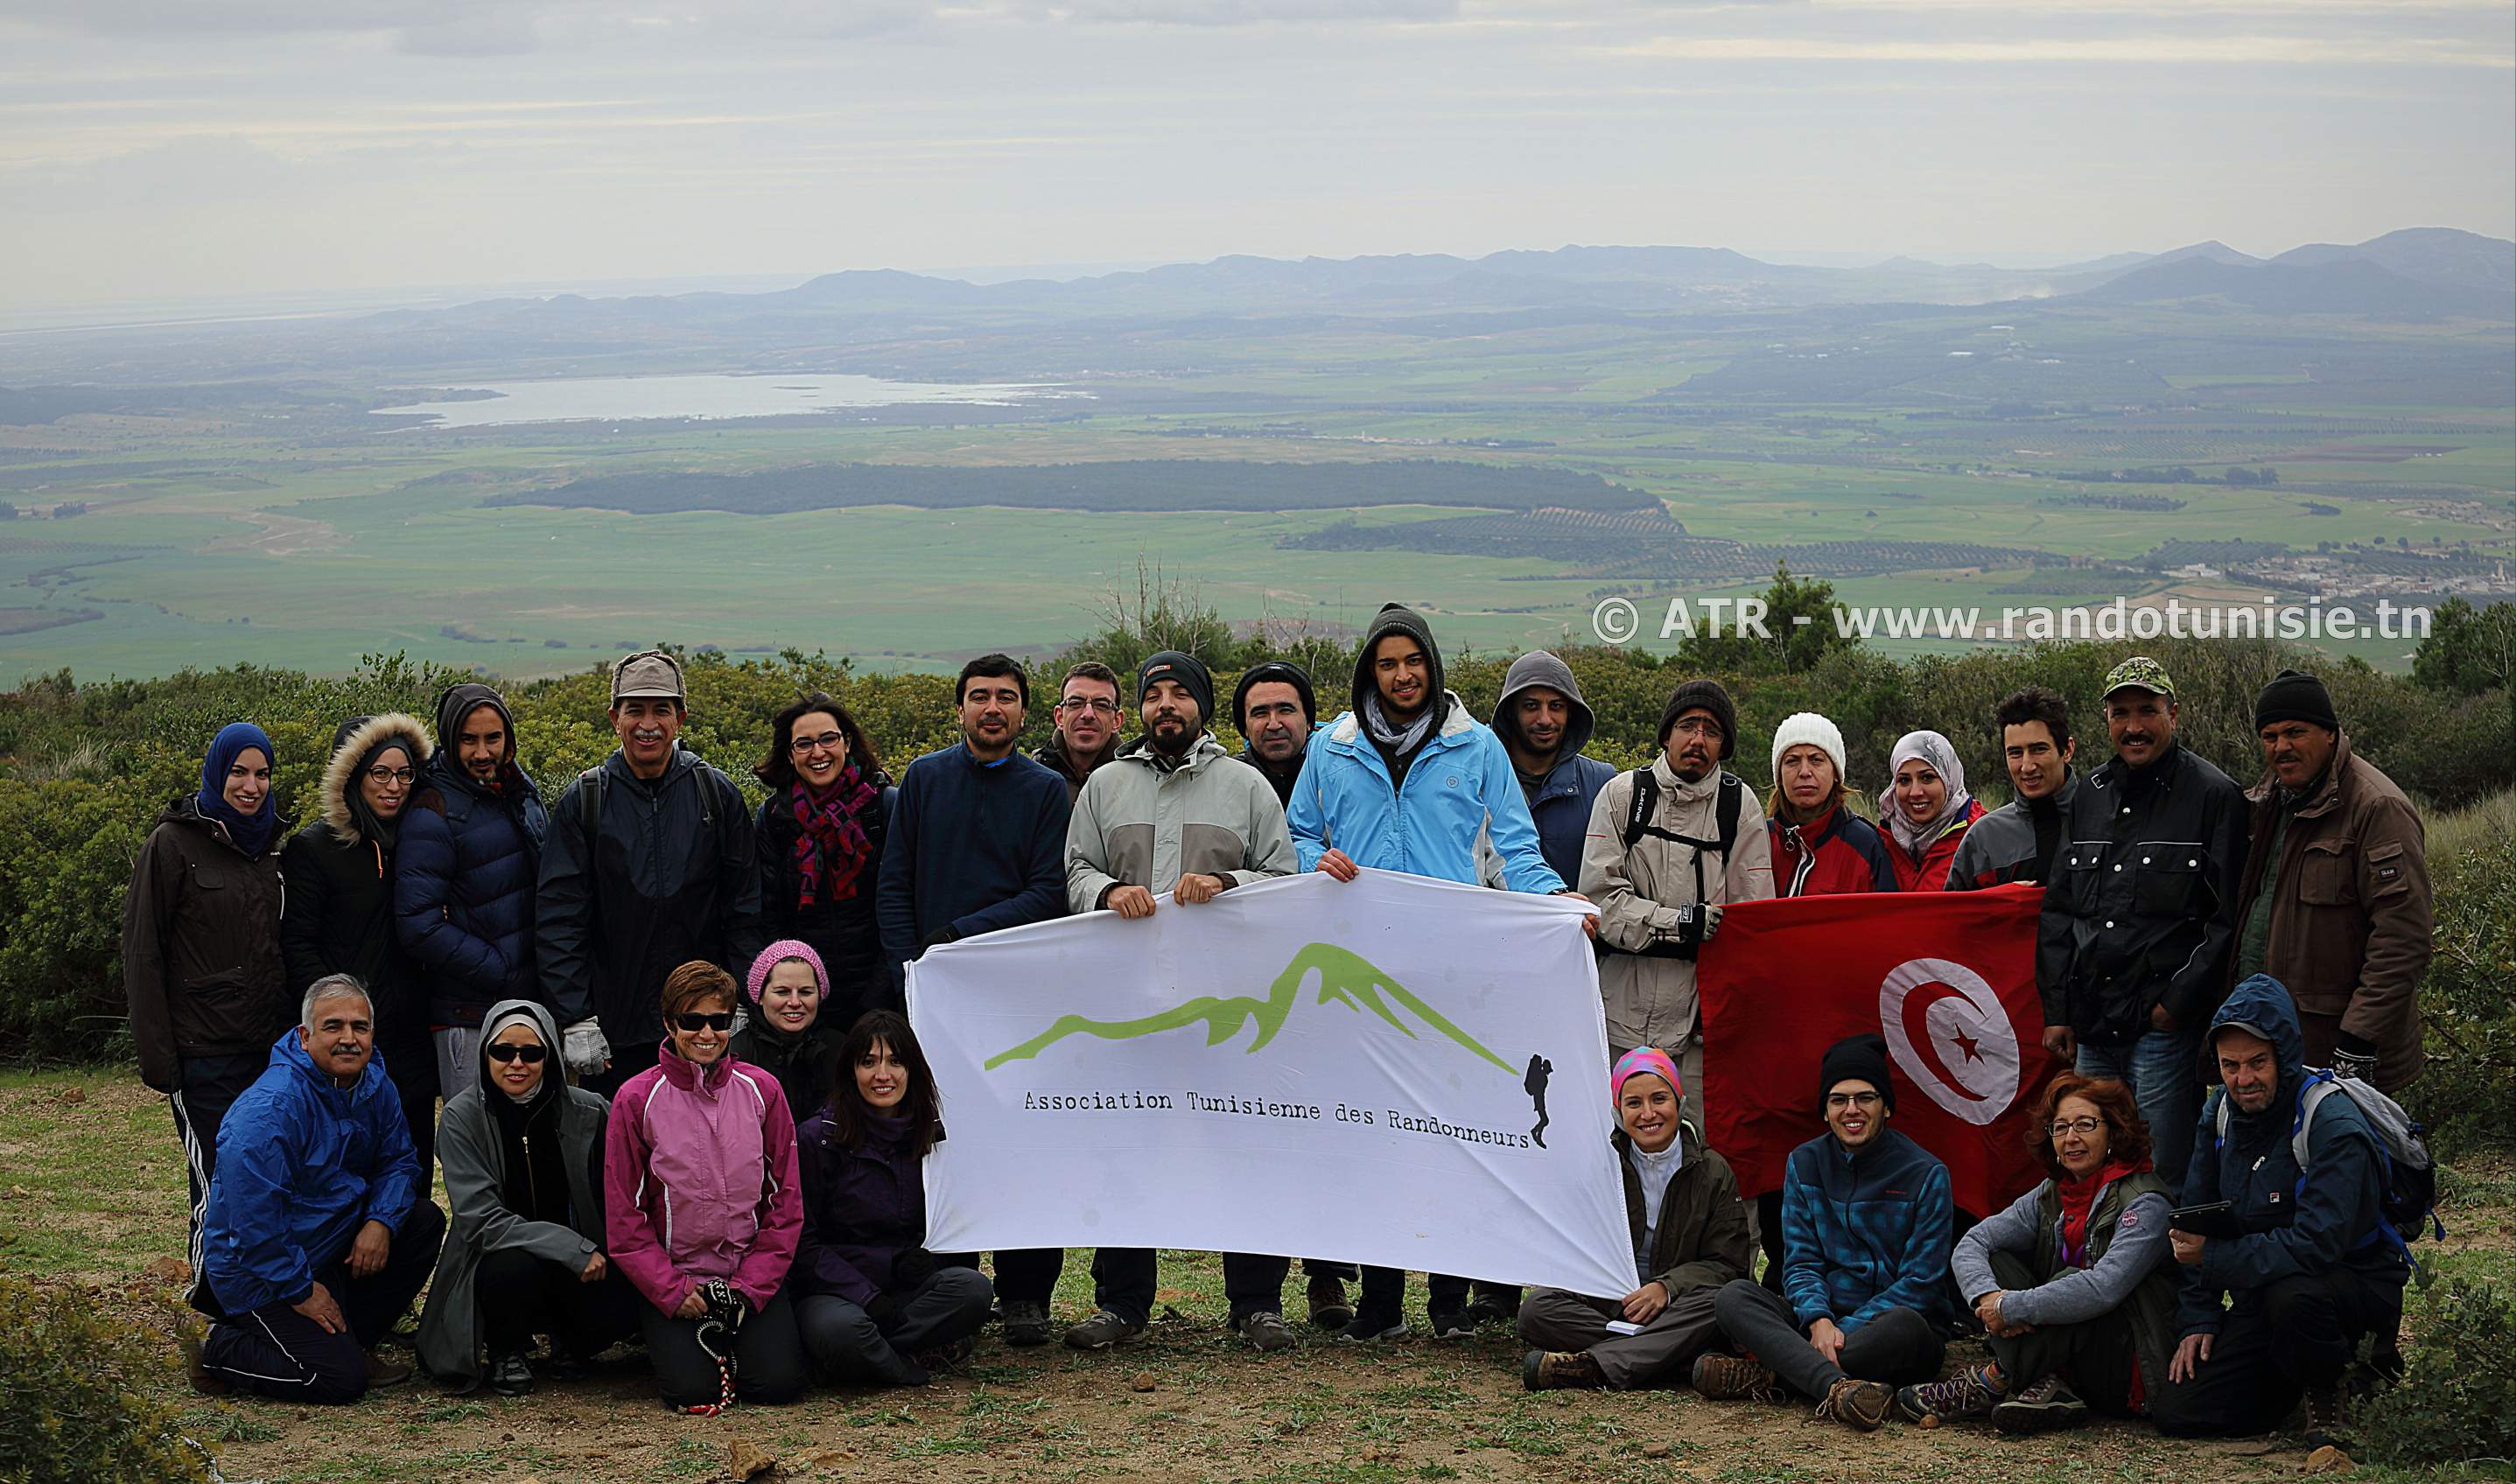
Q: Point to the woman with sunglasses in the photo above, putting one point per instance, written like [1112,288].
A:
[523,1153]
[338,918]
[818,838]
[702,1206]
[2072,1282]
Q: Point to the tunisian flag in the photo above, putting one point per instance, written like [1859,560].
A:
[1948,977]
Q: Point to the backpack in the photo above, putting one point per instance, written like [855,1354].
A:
[1725,814]
[2410,1200]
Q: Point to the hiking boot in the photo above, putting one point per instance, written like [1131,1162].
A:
[944,1359]
[1861,1405]
[1721,1377]
[1561,1371]
[1489,1308]
[1103,1330]
[1026,1323]
[2044,1407]
[1369,1323]
[2324,1407]
[510,1374]
[1266,1331]
[1329,1308]
[1968,1393]
[1451,1323]
[196,1370]
[386,1372]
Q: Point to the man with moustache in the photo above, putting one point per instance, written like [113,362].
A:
[1086,734]
[463,876]
[1173,814]
[2140,911]
[647,865]
[1272,708]
[2335,901]
[1545,724]
[2016,842]
[978,843]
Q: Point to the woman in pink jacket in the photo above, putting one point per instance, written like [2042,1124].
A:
[702,1209]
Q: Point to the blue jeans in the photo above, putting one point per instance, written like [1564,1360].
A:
[2165,1073]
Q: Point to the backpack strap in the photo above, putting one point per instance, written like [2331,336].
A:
[1646,800]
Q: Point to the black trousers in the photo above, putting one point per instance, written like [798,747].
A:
[1123,1280]
[412,1071]
[1384,1291]
[208,1087]
[851,1347]
[276,1351]
[2277,1343]
[522,1296]
[767,1358]
[1897,1347]
[2098,1358]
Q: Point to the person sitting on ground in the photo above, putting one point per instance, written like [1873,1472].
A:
[788,1036]
[523,1154]
[319,1231]
[2072,1282]
[1926,811]
[874,1306]
[1690,1237]
[700,1206]
[1865,1254]
[2315,1269]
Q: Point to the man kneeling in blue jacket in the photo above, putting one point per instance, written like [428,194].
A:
[319,1233]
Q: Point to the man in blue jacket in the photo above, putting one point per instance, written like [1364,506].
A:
[1865,1218]
[978,843]
[2312,1272]
[1407,780]
[1545,724]
[318,1233]
[471,843]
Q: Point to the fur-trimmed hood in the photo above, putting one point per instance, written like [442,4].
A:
[356,742]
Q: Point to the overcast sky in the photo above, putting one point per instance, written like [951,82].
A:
[154,149]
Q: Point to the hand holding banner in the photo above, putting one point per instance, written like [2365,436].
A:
[1356,1071]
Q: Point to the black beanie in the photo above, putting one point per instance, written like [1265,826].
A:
[2293,695]
[1862,1058]
[1276,671]
[1187,670]
[1706,696]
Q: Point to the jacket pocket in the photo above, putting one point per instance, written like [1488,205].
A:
[2077,875]
[2166,877]
[2328,874]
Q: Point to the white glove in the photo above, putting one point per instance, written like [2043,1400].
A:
[585,1050]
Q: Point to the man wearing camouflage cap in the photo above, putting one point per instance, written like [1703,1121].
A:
[2140,912]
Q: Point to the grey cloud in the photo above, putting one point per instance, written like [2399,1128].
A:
[1225,13]
[471,36]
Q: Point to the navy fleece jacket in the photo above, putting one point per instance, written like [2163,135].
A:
[973,847]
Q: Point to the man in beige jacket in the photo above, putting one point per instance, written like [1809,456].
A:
[1661,866]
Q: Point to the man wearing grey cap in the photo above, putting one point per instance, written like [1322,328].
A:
[647,866]
[2140,909]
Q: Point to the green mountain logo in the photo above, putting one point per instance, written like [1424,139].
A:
[1345,978]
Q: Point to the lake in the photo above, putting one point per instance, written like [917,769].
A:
[623,398]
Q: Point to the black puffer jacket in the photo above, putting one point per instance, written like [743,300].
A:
[201,967]
[340,918]
[845,932]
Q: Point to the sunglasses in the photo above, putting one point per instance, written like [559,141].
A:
[530,1055]
[692,1020]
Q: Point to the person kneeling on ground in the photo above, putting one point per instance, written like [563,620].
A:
[1690,1237]
[523,1153]
[699,1200]
[2315,1268]
[1865,1249]
[2072,1282]
[318,1233]
[873,1307]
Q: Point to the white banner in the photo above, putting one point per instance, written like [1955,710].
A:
[1393,1070]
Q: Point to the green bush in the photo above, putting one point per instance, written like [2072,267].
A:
[71,1405]
[2456,1400]
[2469,1094]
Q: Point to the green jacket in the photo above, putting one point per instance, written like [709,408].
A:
[1702,1237]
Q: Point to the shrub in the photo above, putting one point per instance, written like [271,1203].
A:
[2457,1398]
[71,1405]
[2468,1093]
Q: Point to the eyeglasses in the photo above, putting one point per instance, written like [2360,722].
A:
[694,1020]
[379,776]
[530,1055]
[826,742]
[2079,1125]
[1835,1101]
[1079,703]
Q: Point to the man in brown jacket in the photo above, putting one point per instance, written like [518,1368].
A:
[2335,896]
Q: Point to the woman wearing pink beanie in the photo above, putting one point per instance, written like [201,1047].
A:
[782,1033]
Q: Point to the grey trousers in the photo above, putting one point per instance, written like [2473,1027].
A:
[1552,1319]
[1898,1347]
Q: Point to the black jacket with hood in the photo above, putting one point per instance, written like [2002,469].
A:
[202,974]
[340,918]
[463,874]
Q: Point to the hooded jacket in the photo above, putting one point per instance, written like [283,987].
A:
[1458,788]
[1140,823]
[664,873]
[2351,927]
[2003,846]
[973,847]
[478,1220]
[1838,853]
[463,874]
[1648,999]
[202,972]
[699,1175]
[1559,805]
[847,932]
[340,913]
[2141,909]
[302,1166]
[2299,1222]
[863,1208]
[1865,1231]
[1701,1240]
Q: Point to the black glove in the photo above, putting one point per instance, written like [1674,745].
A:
[912,1269]
[2354,1057]
[884,1311]
[1697,923]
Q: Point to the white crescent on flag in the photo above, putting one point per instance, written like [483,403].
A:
[1948,1031]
